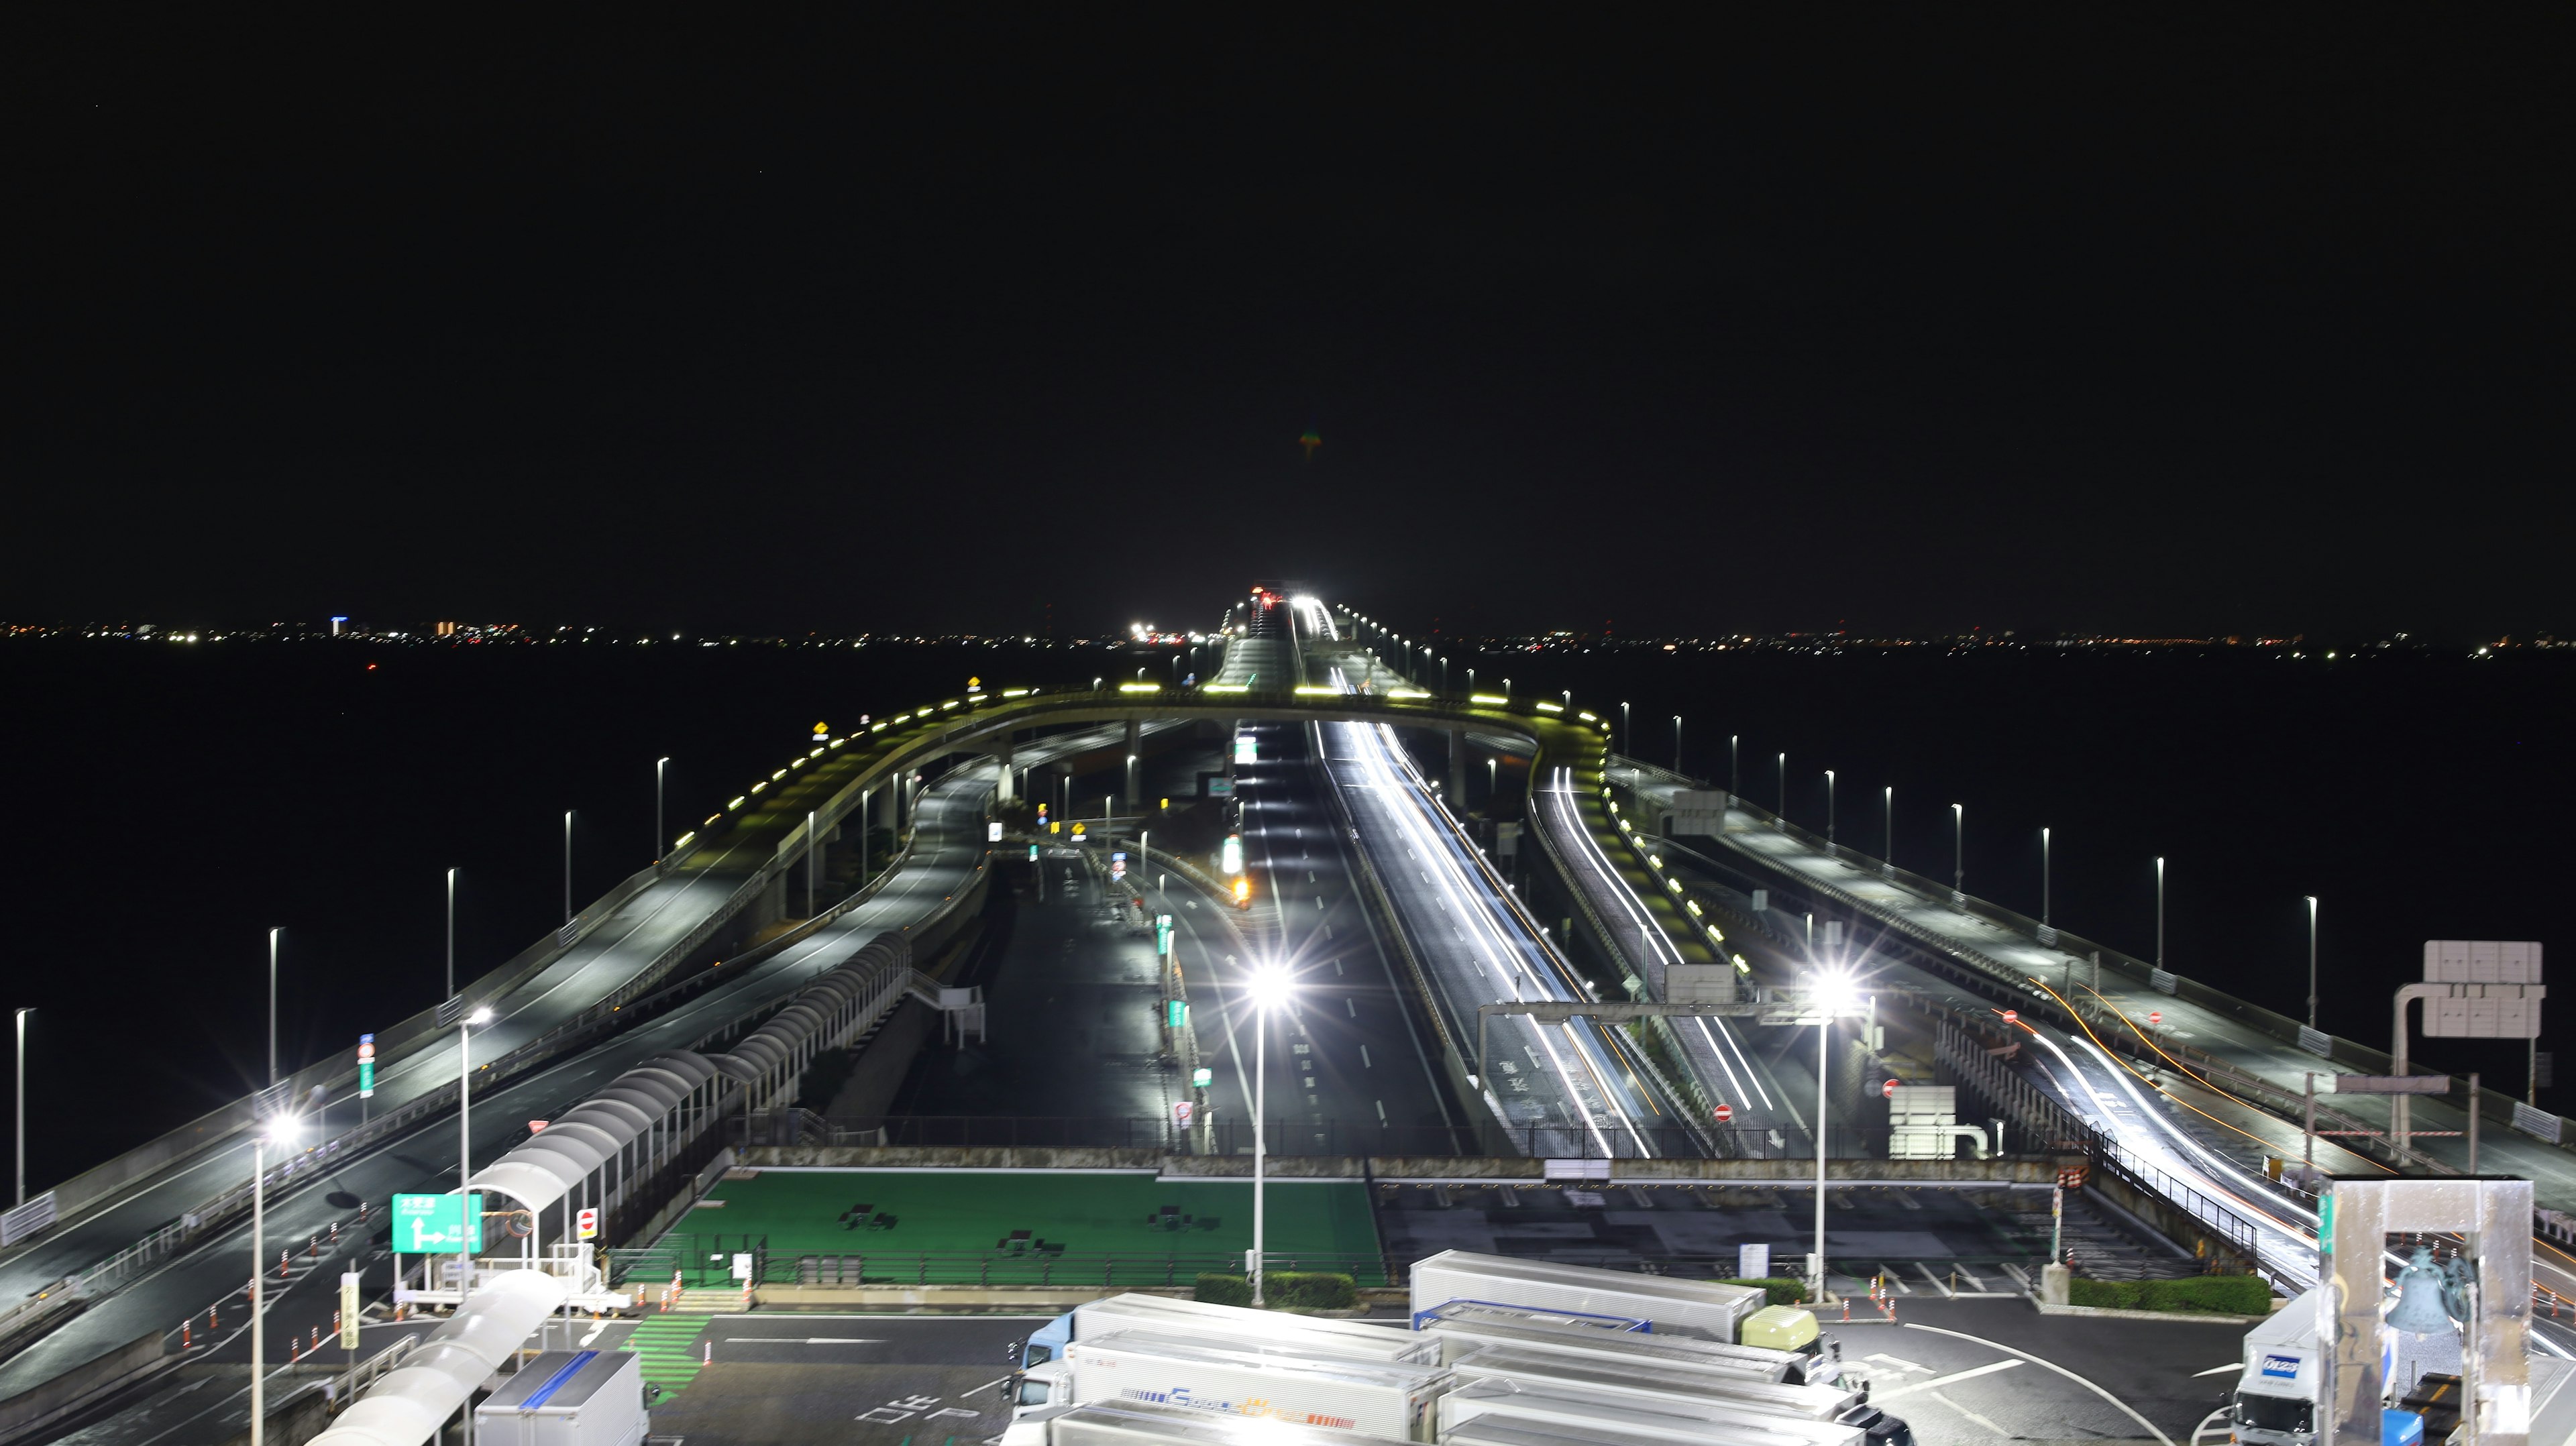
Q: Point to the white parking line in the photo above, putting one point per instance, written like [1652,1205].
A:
[1938,1381]
[2125,1408]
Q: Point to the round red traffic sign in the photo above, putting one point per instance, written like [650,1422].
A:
[2012,1016]
[2155,1016]
[1888,1089]
[1724,1113]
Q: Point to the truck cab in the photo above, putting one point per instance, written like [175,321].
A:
[2276,1394]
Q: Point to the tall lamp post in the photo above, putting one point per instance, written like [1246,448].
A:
[1887,837]
[279,1130]
[1782,762]
[22,1101]
[2043,878]
[1677,743]
[660,767]
[2160,911]
[1735,764]
[1627,733]
[1829,810]
[1958,852]
[1268,989]
[451,935]
[567,866]
[2312,961]
[272,1006]
[1832,994]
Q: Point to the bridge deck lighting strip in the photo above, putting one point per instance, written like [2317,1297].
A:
[1140,687]
[1488,698]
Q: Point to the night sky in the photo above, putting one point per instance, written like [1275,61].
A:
[2138,320]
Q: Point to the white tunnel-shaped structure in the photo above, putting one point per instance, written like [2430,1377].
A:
[598,1153]
[824,1015]
[413,1401]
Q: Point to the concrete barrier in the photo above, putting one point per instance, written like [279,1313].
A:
[1427,1169]
[38,1407]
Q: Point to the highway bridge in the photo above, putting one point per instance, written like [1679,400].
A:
[1363,858]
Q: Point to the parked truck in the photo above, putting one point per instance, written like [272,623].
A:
[1154,1312]
[1136,1423]
[1300,1382]
[1706,1309]
[1646,1382]
[1462,1326]
[1567,1409]
[2276,1395]
[1614,1430]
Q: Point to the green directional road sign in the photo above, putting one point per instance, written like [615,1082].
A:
[428,1224]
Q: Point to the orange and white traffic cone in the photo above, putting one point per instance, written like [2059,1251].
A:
[187,1341]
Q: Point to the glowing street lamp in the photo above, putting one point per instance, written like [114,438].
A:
[1268,989]
[1833,994]
[280,1130]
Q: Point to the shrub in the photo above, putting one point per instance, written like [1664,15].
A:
[1310,1290]
[1283,1290]
[1778,1290]
[2222,1294]
[1223,1290]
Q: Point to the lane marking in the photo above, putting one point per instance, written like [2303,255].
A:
[1949,1380]
[2125,1408]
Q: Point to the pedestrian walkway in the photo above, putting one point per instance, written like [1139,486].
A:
[670,1347]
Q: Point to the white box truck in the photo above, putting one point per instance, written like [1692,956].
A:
[568,1398]
[1287,1383]
[1138,1424]
[1708,1309]
[1155,1312]
[1461,1328]
[1564,1409]
[1647,1382]
[2276,1396]
[1598,1431]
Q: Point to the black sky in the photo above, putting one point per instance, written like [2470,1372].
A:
[2131,319]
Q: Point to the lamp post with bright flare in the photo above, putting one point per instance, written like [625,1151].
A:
[1832,993]
[1268,989]
[278,1130]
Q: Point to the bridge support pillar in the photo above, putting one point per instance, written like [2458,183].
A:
[1002,753]
[1135,762]
[1458,770]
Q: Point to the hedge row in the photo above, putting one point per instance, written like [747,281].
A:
[1780,1291]
[2224,1294]
[1284,1290]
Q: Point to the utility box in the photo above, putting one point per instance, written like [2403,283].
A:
[1922,1122]
[568,1398]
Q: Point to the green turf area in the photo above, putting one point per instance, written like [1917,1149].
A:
[951,1225]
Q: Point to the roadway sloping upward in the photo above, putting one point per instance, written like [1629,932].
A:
[947,849]
[1570,1088]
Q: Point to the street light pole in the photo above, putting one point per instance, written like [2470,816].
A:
[1783,763]
[1824,1040]
[272,1006]
[1959,848]
[282,1130]
[2160,911]
[2312,962]
[1887,843]
[22,1102]
[1677,743]
[451,936]
[660,766]
[1735,764]
[1627,733]
[813,852]
[1829,810]
[2043,878]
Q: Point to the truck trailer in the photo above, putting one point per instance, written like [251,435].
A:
[2276,1394]
[1601,1431]
[1155,1312]
[1707,1309]
[1136,1423]
[1565,1408]
[1462,1330]
[1645,1383]
[1289,1383]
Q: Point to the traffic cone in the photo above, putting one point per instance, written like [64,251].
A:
[187,1341]
[281,1265]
